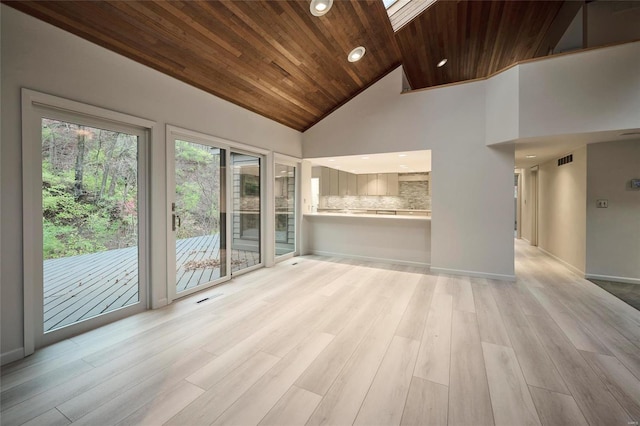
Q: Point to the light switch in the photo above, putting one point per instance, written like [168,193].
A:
[602,204]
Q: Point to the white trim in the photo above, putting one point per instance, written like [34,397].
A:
[613,278]
[49,101]
[296,163]
[285,256]
[172,134]
[35,106]
[564,263]
[160,303]
[228,144]
[14,355]
[370,259]
[501,277]
[269,212]
[284,158]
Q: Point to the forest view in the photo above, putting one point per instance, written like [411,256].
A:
[197,189]
[89,189]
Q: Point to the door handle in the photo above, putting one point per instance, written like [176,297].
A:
[173,221]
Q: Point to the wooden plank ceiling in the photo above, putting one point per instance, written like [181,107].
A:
[478,38]
[276,59]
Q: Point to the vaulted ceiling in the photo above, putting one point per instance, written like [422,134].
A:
[275,58]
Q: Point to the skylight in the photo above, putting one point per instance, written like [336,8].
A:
[401,12]
[388,3]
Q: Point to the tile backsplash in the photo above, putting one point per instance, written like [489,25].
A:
[412,195]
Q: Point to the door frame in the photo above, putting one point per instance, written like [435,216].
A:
[172,133]
[297,163]
[35,106]
[535,170]
[519,206]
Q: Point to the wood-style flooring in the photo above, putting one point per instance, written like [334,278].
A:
[328,341]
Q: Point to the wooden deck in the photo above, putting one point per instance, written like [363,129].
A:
[81,287]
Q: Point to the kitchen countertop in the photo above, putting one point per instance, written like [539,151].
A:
[369,216]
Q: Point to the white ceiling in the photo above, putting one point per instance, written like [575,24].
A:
[549,148]
[395,162]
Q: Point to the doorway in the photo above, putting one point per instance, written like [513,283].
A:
[85,203]
[215,205]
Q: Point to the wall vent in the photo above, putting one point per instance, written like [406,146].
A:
[565,160]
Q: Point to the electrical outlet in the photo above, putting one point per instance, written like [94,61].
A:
[602,204]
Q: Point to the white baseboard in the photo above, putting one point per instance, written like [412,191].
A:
[564,263]
[11,356]
[501,277]
[160,303]
[612,278]
[371,259]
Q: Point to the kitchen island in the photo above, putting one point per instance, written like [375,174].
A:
[390,238]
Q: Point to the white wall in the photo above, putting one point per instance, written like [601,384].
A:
[502,106]
[591,91]
[613,234]
[38,56]
[379,238]
[562,221]
[472,184]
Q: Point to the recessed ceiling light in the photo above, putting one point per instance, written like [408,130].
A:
[530,156]
[365,158]
[356,54]
[442,62]
[320,7]
[332,160]
[402,155]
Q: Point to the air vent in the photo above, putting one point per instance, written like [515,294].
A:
[565,160]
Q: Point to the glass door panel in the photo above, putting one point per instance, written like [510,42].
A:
[246,218]
[285,192]
[198,215]
[90,219]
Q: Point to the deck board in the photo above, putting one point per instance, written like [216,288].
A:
[74,292]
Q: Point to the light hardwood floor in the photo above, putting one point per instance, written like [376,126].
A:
[331,341]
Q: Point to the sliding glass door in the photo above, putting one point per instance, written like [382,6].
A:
[92,222]
[198,214]
[285,209]
[246,216]
[214,203]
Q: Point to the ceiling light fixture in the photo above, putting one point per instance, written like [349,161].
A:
[332,160]
[365,158]
[442,62]
[356,54]
[320,7]
[530,156]
[402,155]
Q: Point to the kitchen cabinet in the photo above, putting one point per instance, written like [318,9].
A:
[343,183]
[372,184]
[333,182]
[363,182]
[325,181]
[352,185]
[382,184]
[393,187]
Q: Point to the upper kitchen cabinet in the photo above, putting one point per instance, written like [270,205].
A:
[363,184]
[393,185]
[325,181]
[334,182]
[343,184]
[352,184]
